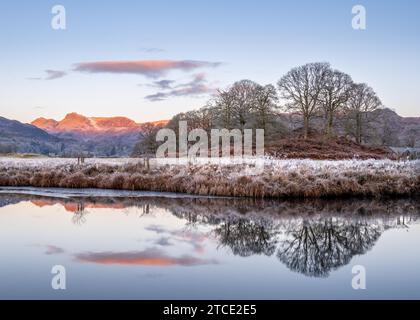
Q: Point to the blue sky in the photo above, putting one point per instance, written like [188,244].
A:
[202,45]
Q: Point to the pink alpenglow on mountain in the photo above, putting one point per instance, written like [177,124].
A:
[76,123]
[45,124]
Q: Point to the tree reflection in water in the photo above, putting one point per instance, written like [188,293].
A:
[309,237]
[79,214]
[247,237]
[315,247]
[312,238]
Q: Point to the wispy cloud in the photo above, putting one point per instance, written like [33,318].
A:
[164,241]
[147,68]
[50,75]
[162,84]
[53,250]
[195,239]
[54,74]
[155,228]
[151,50]
[159,96]
[148,257]
[196,87]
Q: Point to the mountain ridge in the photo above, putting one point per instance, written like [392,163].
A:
[77,123]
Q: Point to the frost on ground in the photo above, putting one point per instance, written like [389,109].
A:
[262,177]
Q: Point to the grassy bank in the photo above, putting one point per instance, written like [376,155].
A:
[277,179]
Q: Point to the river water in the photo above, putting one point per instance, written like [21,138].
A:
[133,245]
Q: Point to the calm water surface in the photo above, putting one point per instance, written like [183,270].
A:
[158,246]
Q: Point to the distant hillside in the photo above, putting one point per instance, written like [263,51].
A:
[16,137]
[25,138]
[100,136]
[394,130]
[73,135]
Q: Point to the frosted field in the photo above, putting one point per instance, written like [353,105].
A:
[10,162]
[250,164]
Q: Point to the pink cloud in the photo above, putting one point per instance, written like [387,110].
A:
[148,68]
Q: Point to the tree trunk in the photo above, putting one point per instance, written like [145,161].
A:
[264,124]
[305,126]
[330,121]
[358,128]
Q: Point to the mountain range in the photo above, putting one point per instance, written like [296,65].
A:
[78,125]
[74,134]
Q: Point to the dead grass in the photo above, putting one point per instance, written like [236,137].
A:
[302,179]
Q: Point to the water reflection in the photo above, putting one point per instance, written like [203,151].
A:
[248,237]
[148,257]
[309,237]
[315,247]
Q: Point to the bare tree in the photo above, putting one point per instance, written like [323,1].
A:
[224,103]
[243,93]
[147,145]
[334,95]
[206,118]
[265,101]
[362,100]
[202,118]
[301,87]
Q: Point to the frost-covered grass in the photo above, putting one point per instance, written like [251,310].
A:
[11,162]
[262,177]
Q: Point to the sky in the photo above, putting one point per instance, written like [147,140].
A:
[149,60]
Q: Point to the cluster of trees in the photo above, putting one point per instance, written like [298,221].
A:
[308,91]
[243,105]
[317,88]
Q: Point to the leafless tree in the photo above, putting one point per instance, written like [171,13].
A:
[334,94]
[362,100]
[245,103]
[265,102]
[224,103]
[202,118]
[147,144]
[301,87]
[243,93]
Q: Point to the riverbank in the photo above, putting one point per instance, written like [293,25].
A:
[266,179]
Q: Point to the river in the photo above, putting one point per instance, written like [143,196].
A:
[134,245]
